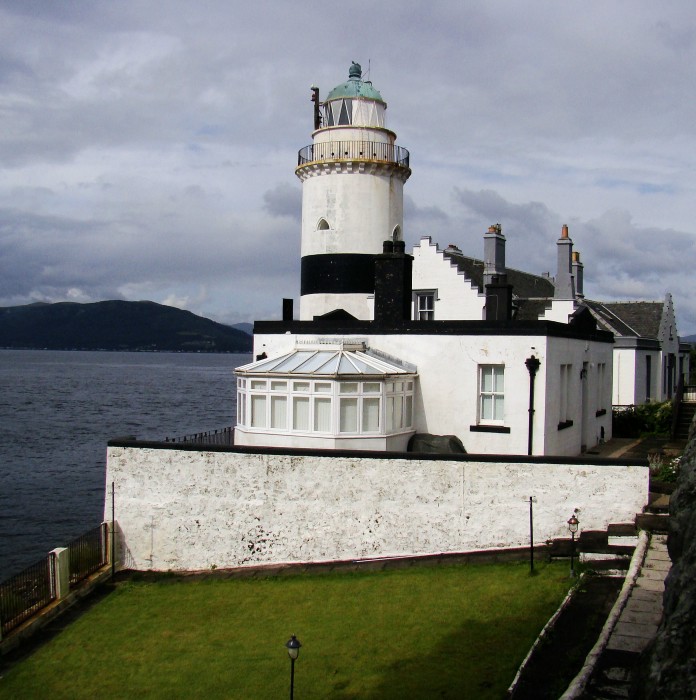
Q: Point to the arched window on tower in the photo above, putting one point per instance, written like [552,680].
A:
[396,234]
[323,225]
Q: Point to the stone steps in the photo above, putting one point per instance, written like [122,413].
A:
[687,410]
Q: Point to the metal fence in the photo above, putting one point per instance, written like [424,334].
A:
[25,593]
[30,590]
[223,436]
[88,553]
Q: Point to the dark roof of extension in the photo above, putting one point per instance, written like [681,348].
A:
[639,319]
[524,284]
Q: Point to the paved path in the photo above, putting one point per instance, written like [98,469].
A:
[633,631]
[641,616]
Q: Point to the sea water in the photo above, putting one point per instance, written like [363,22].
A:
[59,409]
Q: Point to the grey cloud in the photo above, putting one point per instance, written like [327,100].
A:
[142,147]
[284,200]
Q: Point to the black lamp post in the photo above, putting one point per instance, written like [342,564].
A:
[573,523]
[533,365]
[293,645]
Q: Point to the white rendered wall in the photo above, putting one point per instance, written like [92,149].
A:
[585,431]
[624,384]
[248,437]
[560,311]
[189,510]
[456,298]
[359,305]
[352,133]
[446,402]
[361,206]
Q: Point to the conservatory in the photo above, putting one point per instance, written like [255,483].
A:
[335,396]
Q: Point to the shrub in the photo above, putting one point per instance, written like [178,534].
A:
[645,419]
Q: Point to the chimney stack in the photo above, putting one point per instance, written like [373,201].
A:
[493,254]
[578,274]
[393,284]
[565,285]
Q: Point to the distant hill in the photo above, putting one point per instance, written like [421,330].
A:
[116,325]
[689,339]
[245,327]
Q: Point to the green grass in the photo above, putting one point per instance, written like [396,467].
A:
[440,632]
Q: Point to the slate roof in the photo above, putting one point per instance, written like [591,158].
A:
[640,319]
[524,284]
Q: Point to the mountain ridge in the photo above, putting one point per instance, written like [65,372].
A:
[115,325]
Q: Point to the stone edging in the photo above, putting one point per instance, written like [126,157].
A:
[544,632]
[577,685]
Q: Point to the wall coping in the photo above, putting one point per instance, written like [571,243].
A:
[368,454]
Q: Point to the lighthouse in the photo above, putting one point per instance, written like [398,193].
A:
[352,176]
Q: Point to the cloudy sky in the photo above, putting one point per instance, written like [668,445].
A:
[147,149]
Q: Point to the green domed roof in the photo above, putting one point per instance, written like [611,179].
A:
[355,87]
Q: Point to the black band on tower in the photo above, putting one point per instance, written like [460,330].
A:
[346,273]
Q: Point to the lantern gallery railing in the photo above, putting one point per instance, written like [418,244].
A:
[353,150]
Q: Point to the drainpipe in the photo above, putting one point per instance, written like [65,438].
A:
[533,365]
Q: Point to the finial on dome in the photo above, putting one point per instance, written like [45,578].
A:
[355,71]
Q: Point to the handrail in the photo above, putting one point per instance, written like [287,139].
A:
[353,150]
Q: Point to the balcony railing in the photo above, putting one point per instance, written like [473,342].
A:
[353,150]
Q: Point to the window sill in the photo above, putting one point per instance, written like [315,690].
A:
[565,424]
[489,429]
[601,412]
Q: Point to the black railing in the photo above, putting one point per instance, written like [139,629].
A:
[223,436]
[353,150]
[88,553]
[25,593]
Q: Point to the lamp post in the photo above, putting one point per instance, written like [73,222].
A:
[293,645]
[533,365]
[573,523]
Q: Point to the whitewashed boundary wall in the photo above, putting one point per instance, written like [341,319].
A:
[187,509]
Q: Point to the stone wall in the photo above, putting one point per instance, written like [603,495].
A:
[185,509]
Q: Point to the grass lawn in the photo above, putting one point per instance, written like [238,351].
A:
[421,632]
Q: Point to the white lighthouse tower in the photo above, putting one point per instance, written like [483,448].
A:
[352,198]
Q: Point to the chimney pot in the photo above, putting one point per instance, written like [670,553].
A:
[564,231]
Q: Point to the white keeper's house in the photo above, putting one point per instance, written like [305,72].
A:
[430,351]
[392,356]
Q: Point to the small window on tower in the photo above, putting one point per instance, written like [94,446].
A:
[323,225]
[396,233]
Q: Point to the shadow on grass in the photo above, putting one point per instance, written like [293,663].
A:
[30,646]
[463,664]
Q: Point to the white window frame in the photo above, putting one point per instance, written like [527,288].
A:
[496,393]
[424,304]
[370,398]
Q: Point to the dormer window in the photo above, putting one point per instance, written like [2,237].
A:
[323,225]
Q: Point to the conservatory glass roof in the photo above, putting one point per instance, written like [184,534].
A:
[326,363]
